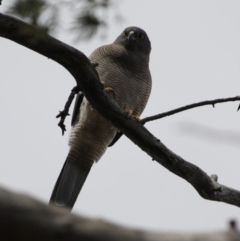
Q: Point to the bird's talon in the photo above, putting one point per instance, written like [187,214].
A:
[136,117]
[110,90]
[130,112]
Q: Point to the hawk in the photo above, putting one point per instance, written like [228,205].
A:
[123,67]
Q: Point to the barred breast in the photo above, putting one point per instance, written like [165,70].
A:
[130,79]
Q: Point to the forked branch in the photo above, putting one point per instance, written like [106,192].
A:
[88,82]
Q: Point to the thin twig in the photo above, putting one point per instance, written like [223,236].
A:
[180,109]
[63,114]
[238,108]
[187,107]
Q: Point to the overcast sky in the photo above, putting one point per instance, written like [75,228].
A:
[195,57]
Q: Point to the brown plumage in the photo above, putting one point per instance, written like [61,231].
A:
[124,67]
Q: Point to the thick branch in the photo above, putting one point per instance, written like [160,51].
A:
[188,107]
[88,82]
[70,58]
[23,218]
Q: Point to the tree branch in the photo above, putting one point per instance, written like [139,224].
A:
[180,109]
[191,106]
[64,113]
[88,82]
[24,218]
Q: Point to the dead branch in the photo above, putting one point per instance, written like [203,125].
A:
[88,82]
[64,113]
[180,109]
[188,107]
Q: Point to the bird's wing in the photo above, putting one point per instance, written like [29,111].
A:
[116,138]
[76,109]
[76,112]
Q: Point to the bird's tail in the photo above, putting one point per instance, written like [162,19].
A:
[68,185]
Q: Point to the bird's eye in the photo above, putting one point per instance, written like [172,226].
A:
[141,36]
[125,33]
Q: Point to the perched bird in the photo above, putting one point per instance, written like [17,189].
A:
[123,67]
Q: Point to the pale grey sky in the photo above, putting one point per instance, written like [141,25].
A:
[195,56]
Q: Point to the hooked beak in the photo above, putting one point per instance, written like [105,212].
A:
[131,36]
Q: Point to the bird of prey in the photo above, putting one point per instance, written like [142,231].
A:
[123,67]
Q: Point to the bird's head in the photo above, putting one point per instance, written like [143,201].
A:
[134,39]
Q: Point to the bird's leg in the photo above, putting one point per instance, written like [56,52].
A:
[130,112]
